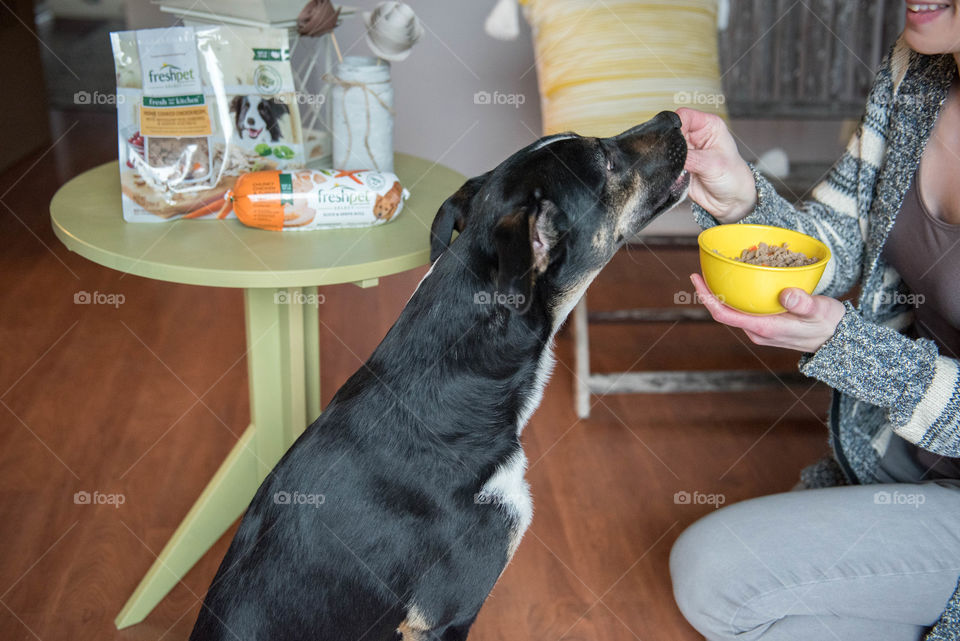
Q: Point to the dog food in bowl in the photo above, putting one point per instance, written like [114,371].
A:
[774,256]
[756,288]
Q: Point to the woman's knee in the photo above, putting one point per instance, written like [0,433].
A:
[710,569]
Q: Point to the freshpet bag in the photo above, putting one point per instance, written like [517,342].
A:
[196,108]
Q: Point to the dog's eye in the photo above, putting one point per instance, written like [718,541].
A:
[610,160]
[606,157]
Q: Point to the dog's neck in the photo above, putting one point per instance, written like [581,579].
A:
[472,369]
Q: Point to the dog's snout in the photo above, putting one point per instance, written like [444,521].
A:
[653,136]
[663,122]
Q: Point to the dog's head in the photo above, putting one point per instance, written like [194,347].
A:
[547,219]
[257,118]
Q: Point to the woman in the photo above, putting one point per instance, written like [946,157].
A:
[874,553]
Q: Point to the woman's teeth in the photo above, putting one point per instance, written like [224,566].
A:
[923,8]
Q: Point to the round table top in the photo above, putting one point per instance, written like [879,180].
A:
[87,218]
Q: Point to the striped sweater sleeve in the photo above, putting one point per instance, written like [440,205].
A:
[919,388]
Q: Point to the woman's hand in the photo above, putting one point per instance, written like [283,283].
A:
[806,325]
[720,180]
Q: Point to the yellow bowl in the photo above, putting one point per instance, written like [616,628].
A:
[755,288]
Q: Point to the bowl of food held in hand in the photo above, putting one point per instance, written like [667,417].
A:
[747,266]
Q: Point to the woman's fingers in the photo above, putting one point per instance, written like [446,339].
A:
[692,120]
[703,130]
[723,183]
[721,313]
[798,302]
[811,321]
[699,162]
[703,292]
[757,339]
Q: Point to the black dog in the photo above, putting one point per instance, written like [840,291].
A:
[255,118]
[415,469]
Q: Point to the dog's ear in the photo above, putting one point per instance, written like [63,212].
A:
[236,107]
[524,241]
[272,111]
[453,214]
[279,108]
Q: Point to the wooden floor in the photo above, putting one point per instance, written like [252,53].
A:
[145,399]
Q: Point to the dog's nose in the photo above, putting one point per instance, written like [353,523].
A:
[672,117]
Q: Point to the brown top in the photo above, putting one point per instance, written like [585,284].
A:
[925,251]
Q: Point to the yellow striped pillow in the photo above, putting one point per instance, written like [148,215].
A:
[606,65]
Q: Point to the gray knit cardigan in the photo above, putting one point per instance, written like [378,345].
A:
[882,379]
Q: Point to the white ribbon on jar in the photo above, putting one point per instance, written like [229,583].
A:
[363,75]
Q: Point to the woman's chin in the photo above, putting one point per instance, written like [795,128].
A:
[922,43]
[933,32]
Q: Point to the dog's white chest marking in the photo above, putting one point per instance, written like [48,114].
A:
[508,490]
[426,276]
[532,402]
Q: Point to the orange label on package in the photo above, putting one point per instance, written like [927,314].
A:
[257,200]
[175,121]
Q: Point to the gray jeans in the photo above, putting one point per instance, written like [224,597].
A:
[866,562]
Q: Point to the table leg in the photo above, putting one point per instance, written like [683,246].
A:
[283,358]
[311,354]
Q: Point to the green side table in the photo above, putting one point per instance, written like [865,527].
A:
[279,272]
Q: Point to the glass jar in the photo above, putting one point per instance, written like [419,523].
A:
[362,98]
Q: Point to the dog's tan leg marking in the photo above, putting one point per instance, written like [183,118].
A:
[415,627]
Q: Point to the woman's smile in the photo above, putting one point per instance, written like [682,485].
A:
[924,13]
[932,27]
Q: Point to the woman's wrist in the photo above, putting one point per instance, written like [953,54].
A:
[746,199]
[836,310]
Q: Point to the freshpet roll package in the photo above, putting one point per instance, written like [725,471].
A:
[316,199]
[196,109]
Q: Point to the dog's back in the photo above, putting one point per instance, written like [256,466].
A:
[362,519]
